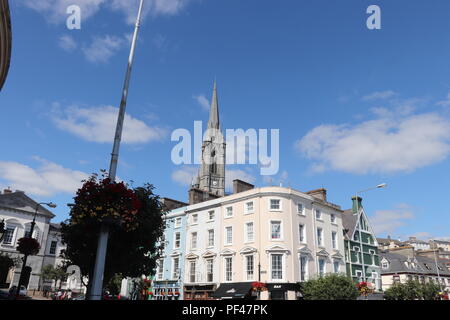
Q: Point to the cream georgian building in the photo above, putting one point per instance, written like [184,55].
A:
[279,236]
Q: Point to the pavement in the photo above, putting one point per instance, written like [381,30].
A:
[4,295]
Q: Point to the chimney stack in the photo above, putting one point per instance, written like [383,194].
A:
[357,204]
[241,186]
[7,191]
[319,194]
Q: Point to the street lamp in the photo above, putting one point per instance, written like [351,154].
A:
[102,243]
[30,235]
[2,230]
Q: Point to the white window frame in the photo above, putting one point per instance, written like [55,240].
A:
[213,214]
[50,249]
[283,267]
[336,262]
[225,271]
[334,240]
[210,260]
[301,212]
[160,271]
[246,274]
[209,238]
[280,205]
[358,251]
[320,214]
[319,259]
[175,273]
[192,240]
[178,222]
[226,235]
[246,210]
[306,259]
[281,230]
[359,274]
[227,215]
[302,233]
[14,234]
[246,233]
[175,240]
[333,218]
[192,262]
[321,238]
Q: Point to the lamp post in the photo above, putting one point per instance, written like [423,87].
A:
[437,266]
[30,235]
[381,185]
[102,244]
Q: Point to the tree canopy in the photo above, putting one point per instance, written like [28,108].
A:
[131,252]
[413,290]
[330,287]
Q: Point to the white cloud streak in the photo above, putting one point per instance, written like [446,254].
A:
[98,124]
[388,221]
[385,145]
[46,180]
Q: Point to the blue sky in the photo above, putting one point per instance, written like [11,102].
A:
[355,107]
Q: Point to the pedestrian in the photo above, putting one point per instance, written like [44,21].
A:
[69,295]
[58,295]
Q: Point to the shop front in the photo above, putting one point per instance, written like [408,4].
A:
[283,291]
[236,290]
[166,290]
[199,292]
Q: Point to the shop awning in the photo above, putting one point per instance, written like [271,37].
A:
[236,290]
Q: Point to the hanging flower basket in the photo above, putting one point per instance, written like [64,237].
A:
[365,288]
[106,202]
[259,286]
[28,246]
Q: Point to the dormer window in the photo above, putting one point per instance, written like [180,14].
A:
[384,264]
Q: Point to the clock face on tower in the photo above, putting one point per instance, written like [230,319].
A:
[215,183]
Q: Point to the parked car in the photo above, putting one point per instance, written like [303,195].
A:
[22,292]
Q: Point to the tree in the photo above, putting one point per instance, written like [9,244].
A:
[136,223]
[51,273]
[115,284]
[6,263]
[330,287]
[413,290]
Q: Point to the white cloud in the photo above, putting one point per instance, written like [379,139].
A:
[388,221]
[446,102]
[67,43]
[185,175]
[55,10]
[231,175]
[384,145]
[202,101]
[48,179]
[380,95]
[101,49]
[99,124]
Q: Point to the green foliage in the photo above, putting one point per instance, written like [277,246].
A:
[6,262]
[330,287]
[114,284]
[129,253]
[49,273]
[413,290]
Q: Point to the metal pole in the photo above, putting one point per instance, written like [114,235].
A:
[25,257]
[97,281]
[437,267]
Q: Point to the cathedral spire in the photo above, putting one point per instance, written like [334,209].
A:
[214,122]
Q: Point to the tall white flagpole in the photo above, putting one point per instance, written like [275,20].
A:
[97,281]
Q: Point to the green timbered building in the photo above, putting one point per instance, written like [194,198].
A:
[361,247]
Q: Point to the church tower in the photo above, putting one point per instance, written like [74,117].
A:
[211,176]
